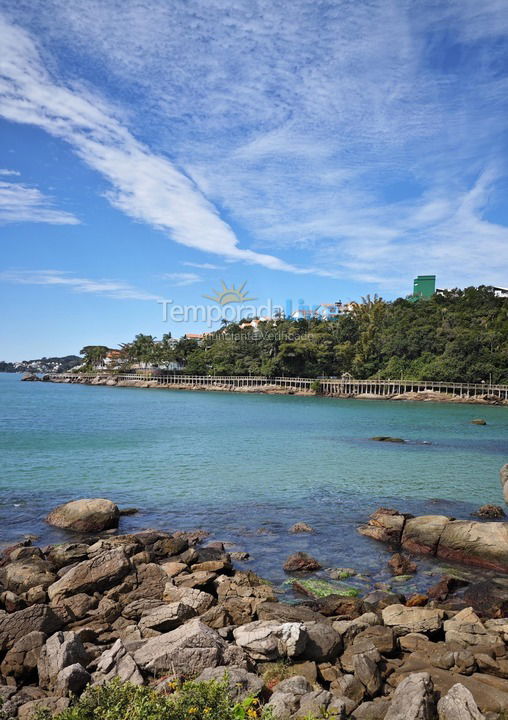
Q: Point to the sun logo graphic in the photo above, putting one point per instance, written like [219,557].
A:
[228,295]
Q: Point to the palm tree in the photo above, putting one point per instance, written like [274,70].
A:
[94,354]
[142,349]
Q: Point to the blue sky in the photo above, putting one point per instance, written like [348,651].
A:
[317,150]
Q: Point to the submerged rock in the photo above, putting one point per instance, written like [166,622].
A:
[322,588]
[387,438]
[301,561]
[489,598]
[401,564]
[301,527]
[490,511]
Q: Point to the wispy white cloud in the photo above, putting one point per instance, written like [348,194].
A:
[203,266]
[5,172]
[144,185]
[297,123]
[21,203]
[182,279]
[61,278]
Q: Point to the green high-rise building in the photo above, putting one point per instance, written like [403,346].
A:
[424,286]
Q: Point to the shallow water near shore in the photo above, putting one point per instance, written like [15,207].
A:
[244,467]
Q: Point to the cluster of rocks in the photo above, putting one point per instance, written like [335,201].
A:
[483,544]
[152,382]
[152,605]
[268,388]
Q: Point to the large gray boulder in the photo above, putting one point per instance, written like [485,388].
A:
[385,524]
[367,672]
[271,640]
[22,658]
[349,687]
[117,663]
[321,703]
[413,699]
[187,650]
[503,477]
[86,515]
[71,680]
[458,704]
[66,554]
[466,628]
[421,534]
[412,619]
[199,600]
[97,574]
[285,701]
[166,617]
[39,618]
[27,573]
[484,544]
[61,650]
[323,642]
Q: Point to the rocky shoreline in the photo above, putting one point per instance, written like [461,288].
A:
[111,381]
[152,607]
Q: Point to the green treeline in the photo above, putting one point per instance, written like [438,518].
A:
[455,335]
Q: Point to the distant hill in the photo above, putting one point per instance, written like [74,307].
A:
[42,365]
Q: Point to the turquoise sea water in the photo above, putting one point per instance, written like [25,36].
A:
[242,466]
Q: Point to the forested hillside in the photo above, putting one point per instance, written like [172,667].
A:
[455,335]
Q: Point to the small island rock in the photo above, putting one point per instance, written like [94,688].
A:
[301,561]
[301,527]
[387,438]
[490,511]
[86,515]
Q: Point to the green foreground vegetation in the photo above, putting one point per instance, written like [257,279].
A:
[456,335]
[189,701]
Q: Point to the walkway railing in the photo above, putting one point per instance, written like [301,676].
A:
[339,387]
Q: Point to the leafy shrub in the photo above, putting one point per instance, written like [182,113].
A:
[189,701]
[275,672]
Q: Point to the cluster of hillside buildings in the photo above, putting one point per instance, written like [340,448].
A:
[424,287]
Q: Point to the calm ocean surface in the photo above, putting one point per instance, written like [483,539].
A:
[243,466]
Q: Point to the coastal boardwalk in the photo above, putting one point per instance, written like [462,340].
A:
[333,387]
